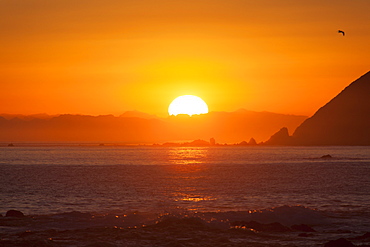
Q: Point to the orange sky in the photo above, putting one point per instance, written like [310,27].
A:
[107,57]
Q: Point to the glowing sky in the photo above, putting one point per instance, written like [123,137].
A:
[107,57]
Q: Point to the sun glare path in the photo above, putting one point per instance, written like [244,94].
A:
[187,104]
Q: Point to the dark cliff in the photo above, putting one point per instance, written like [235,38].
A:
[345,120]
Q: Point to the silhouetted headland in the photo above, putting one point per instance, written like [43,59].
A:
[345,120]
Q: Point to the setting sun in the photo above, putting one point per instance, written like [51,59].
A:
[187,104]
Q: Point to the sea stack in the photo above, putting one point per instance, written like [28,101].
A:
[345,120]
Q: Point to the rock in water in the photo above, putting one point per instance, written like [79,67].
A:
[252,141]
[14,213]
[326,156]
[280,138]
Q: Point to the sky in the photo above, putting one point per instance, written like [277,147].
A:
[107,57]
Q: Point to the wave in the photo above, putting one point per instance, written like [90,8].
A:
[267,227]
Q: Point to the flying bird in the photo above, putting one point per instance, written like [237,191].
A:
[342,32]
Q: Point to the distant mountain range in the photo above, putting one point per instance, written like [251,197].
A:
[138,127]
[345,120]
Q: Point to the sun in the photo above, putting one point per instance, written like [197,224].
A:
[188,104]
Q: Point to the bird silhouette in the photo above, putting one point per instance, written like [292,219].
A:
[342,32]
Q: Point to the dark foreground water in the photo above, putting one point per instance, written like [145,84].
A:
[225,188]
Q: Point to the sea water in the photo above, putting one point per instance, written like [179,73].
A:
[229,182]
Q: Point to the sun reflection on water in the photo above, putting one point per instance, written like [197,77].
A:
[196,198]
[192,200]
[189,166]
[187,155]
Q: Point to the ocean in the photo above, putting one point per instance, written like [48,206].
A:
[223,186]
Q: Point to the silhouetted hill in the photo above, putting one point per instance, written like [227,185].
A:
[138,114]
[27,117]
[81,128]
[137,127]
[345,120]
